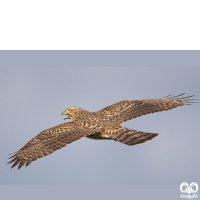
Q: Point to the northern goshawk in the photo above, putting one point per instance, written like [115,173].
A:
[103,125]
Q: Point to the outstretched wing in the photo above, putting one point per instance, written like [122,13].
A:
[51,140]
[127,110]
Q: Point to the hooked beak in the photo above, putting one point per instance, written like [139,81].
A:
[64,113]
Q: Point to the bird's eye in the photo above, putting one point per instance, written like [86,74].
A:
[70,110]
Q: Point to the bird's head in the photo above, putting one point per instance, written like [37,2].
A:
[71,112]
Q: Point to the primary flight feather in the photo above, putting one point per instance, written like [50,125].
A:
[101,125]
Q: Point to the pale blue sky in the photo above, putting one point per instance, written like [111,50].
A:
[36,86]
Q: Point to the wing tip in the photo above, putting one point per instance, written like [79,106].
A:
[17,161]
[184,100]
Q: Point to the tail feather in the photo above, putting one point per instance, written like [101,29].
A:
[133,137]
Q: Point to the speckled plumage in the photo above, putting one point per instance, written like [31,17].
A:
[104,124]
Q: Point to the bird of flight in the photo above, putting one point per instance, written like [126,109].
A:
[102,125]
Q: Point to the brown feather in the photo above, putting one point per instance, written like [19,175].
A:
[21,163]
[130,137]
[12,160]
[28,162]
[16,162]
[53,139]
[104,124]
[127,110]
